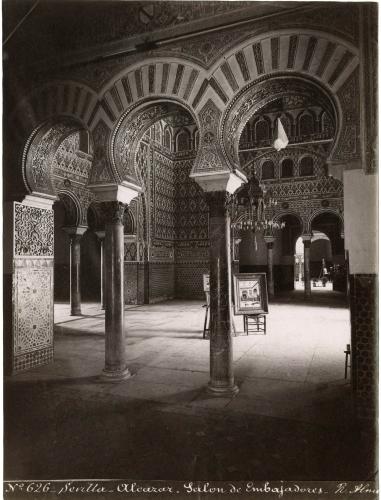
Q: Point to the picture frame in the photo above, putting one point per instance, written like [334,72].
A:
[250,293]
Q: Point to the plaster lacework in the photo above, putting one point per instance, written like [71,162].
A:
[254,97]
[69,161]
[318,189]
[209,157]
[192,218]
[128,133]
[164,196]
[349,144]
[33,309]
[100,171]
[34,230]
[38,157]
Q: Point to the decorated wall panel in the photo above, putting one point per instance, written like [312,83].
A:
[33,314]
[163,179]
[364,343]
[32,285]
[33,231]
[192,213]
[130,283]
[161,281]
[189,280]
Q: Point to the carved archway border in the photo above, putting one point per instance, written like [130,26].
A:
[76,203]
[130,129]
[322,211]
[284,213]
[39,151]
[261,92]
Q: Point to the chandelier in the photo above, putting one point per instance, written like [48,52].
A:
[254,198]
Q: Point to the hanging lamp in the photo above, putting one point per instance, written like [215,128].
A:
[280,136]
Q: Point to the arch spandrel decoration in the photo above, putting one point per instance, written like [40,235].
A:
[210,156]
[101,171]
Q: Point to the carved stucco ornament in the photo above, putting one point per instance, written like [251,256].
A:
[38,156]
[258,94]
[212,170]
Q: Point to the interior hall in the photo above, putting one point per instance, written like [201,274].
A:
[190,240]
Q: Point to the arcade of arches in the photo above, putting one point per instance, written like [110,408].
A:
[124,142]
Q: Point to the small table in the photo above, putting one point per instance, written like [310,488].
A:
[254,323]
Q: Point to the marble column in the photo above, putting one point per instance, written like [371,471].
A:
[75,234]
[115,356]
[270,264]
[307,273]
[221,348]
[101,237]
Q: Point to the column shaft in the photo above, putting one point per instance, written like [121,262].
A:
[270,267]
[103,281]
[221,354]
[307,274]
[115,357]
[75,275]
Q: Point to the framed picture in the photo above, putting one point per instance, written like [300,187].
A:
[205,278]
[250,293]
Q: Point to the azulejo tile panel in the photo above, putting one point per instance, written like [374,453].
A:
[33,309]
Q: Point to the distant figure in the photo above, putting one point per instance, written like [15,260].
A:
[325,276]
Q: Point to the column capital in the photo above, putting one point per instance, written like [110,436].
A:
[306,237]
[269,239]
[100,235]
[44,201]
[123,193]
[75,231]
[113,211]
[219,181]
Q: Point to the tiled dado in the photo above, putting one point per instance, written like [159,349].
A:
[363,293]
[32,313]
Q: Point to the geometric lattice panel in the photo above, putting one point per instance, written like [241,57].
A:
[363,293]
[189,280]
[32,309]
[33,231]
[33,359]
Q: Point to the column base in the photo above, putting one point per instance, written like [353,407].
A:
[115,375]
[222,391]
[76,312]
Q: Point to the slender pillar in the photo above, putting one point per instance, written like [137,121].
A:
[270,264]
[101,237]
[221,352]
[307,273]
[115,356]
[75,234]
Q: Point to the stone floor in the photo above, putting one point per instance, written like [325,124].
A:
[292,418]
